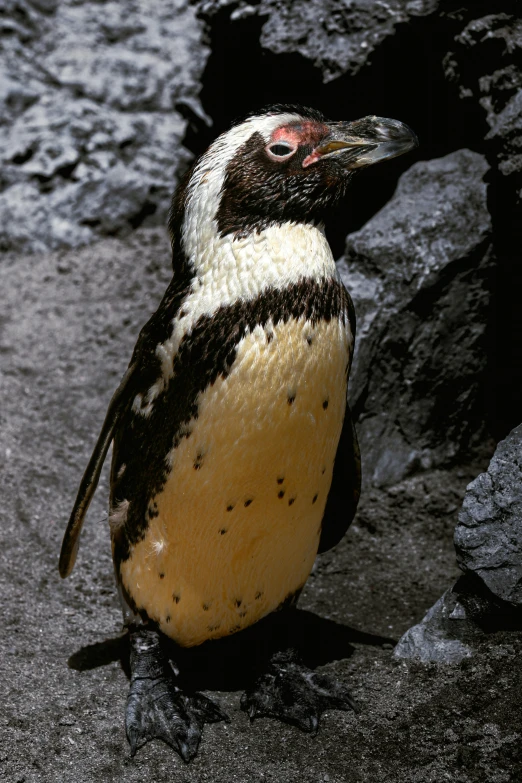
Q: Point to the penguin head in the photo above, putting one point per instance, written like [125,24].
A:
[285,164]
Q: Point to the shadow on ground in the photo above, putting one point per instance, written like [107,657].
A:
[231,663]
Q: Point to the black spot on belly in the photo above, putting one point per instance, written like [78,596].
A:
[176,598]
[323,471]
[269,337]
[162,576]
[234,628]
[292,500]
[248,502]
[315,497]
[238,602]
[223,531]
[198,461]
[167,618]
[230,507]
[309,340]
[325,404]
[258,595]
[206,607]
[291,399]
[281,493]
[214,627]
[243,613]
[280,479]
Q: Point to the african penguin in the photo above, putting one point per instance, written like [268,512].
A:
[235,460]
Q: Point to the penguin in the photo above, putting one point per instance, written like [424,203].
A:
[235,459]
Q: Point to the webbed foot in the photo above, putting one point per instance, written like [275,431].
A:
[156,707]
[295,694]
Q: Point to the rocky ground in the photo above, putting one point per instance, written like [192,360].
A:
[69,323]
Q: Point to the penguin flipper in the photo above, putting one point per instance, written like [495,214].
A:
[345,489]
[117,407]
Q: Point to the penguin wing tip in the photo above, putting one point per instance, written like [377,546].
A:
[67,555]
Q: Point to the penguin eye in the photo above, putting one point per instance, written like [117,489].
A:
[281,150]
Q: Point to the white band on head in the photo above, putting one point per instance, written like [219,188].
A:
[208,177]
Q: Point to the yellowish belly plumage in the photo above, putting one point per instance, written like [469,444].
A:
[238,520]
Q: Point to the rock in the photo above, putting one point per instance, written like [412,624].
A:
[485,63]
[431,641]
[14,98]
[88,166]
[488,541]
[338,36]
[488,537]
[457,623]
[506,136]
[419,273]
[91,141]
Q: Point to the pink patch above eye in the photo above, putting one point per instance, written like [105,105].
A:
[288,135]
[299,133]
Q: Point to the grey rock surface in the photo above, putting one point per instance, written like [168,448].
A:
[338,36]
[418,273]
[488,537]
[431,641]
[90,133]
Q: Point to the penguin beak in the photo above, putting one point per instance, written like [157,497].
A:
[364,142]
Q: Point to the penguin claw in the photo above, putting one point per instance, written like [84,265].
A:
[292,693]
[157,708]
[133,742]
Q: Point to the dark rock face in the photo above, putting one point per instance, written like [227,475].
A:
[486,66]
[419,274]
[488,538]
[484,63]
[338,36]
[90,132]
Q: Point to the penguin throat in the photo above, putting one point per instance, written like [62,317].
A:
[228,268]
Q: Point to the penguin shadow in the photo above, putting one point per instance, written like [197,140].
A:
[233,662]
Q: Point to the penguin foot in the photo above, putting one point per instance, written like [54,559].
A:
[156,707]
[295,694]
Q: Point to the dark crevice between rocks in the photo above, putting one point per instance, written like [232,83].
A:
[22,158]
[404,80]
[504,376]
[48,183]
[148,209]
[484,609]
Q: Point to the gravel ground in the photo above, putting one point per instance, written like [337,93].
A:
[68,325]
